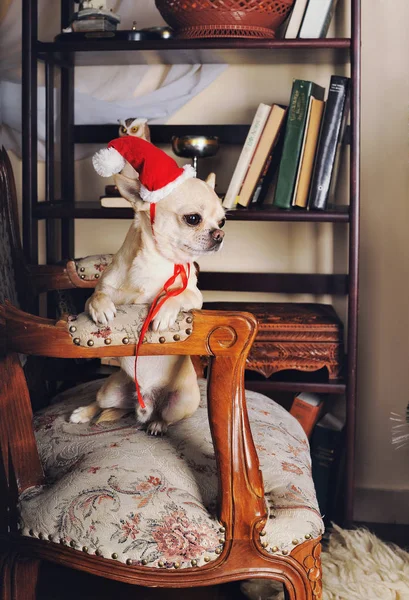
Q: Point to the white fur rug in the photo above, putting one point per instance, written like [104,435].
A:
[356,566]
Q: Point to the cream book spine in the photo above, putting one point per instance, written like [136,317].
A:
[114,202]
[250,145]
[310,148]
[267,141]
[295,19]
[317,19]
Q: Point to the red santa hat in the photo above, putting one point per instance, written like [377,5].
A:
[159,174]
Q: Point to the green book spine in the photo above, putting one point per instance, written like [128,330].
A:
[294,133]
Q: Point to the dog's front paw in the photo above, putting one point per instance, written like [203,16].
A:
[167,315]
[101,309]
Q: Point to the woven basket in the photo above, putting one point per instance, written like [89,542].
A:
[224,18]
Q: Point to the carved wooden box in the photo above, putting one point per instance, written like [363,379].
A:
[305,337]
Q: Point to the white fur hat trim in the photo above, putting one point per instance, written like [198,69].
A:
[108,161]
[156,195]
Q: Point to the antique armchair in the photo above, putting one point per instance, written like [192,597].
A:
[222,497]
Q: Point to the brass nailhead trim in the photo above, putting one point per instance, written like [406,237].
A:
[176,565]
[307,536]
[82,276]
[97,275]
[98,552]
[107,341]
[176,337]
[221,540]
[295,542]
[76,341]
[72,544]
[82,269]
[90,343]
[188,331]
[274,549]
[73,329]
[31,532]
[264,544]
[129,561]
[41,535]
[161,563]
[218,550]
[193,563]
[263,533]
[114,555]
[62,541]
[285,552]
[144,562]
[50,537]
[189,319]
[145,340]
[222,529]
[85,548]
[162,340]
[206,558]
[125,340]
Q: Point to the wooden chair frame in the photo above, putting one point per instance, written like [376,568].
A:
[226,338]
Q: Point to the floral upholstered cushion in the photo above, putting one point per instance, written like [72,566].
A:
[91,267]
[126,327]
[114,491]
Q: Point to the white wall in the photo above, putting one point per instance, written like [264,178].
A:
[382,472]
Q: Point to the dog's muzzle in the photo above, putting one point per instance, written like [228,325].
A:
[217,235]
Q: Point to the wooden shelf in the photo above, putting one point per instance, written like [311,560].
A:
[94,210]
[208,51]
[263,387]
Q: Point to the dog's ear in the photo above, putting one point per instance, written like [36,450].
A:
[211,180]
[129,189]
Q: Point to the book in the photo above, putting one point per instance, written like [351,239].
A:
[265,188]
[333,126]
[308,151]
[249,147]
[317,18]
[295,19]
[114,202]
[267,142]
[326,453]
[294,134]
[306,408]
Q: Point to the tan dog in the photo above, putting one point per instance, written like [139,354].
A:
[187,225]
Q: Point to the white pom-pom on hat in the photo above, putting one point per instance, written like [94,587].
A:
[108,161]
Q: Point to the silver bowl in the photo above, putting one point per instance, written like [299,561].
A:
[195,146]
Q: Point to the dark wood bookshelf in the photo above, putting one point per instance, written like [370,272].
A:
[208,51]
[94,210]
[62,56]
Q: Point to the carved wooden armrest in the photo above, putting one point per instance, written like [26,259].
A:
[75,273]
[225,337]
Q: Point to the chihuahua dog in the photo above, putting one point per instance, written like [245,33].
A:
[187,225]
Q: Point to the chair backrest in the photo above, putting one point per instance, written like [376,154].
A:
[15,282]
[8,287]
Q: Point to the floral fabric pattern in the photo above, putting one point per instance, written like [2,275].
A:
[126,328]
[91,267]
[114,491]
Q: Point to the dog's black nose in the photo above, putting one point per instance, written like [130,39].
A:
[217,235]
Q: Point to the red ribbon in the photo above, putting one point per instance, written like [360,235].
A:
[158,302]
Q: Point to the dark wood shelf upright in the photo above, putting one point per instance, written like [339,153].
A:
[60,214]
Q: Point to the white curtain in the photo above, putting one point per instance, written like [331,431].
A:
[102,94]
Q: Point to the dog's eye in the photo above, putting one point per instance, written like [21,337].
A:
[222,223]
[193,219]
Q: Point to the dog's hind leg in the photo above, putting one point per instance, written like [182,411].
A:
[116,397]
[179,403]
[84,414]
